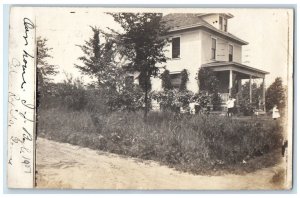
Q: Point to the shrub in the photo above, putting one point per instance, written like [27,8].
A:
[172,99]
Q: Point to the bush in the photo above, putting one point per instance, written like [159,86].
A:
[246,108]
[173,99]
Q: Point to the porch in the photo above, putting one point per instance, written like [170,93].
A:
[231,75]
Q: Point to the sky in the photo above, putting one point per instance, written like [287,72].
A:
[266,30]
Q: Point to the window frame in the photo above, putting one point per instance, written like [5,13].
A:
[225,24]
[213,54]
[221,19]
[178,76]
[178,48]
[230,45]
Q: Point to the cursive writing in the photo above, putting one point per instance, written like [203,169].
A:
[24,66]
[28,24]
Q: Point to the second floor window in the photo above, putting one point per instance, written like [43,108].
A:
[230,52]
[176,47]
[213,48]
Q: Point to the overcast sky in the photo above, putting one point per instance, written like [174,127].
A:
[265,30]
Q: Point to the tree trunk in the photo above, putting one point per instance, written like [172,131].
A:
[146,98]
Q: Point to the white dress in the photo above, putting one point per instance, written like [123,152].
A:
[275,113]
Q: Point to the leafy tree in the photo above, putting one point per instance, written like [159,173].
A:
[99,59]
[256,93]
[275,95]
[142,43]
[207,81]
[45,71]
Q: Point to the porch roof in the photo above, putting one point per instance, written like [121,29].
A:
[238,67]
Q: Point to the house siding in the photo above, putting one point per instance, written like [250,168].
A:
[222,51]
[190,59]
[195,50]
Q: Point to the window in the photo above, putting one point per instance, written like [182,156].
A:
[225,25]
[230,52]
[176,47]
[175,80]
[213,48]
[221,23]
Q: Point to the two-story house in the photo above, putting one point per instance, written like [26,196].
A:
[203,40]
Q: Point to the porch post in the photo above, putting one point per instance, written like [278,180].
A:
[250,88]
[264,95]
[239,89]
[230,81]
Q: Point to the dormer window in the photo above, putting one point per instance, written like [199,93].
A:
[223,23]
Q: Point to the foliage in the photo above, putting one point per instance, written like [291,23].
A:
[207,80]
[142,43]
[44,70]
[246,107]
[166,80]
[198,144]
[275,95]
[128,99]
[256,95]
[172,99]
[184,79]
[202,98]
[99,60]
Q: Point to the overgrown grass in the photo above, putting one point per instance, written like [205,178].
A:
[193,143]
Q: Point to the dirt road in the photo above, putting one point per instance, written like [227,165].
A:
[61,165]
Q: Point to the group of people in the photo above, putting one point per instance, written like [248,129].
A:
[230,104]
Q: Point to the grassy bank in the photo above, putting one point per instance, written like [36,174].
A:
[193,143]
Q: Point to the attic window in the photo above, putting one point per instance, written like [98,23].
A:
[225,25]
[221,23]
[176,47]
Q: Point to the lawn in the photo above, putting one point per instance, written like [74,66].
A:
[199,144]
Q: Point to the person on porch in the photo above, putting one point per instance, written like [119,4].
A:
[230,106]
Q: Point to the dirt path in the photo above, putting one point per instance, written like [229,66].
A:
[61,165]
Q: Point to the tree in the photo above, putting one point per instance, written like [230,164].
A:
[99,59]
[142,43]
[275,95]
[208,81]
[44,70]
[256,93]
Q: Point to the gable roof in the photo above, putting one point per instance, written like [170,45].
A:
[187,21]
